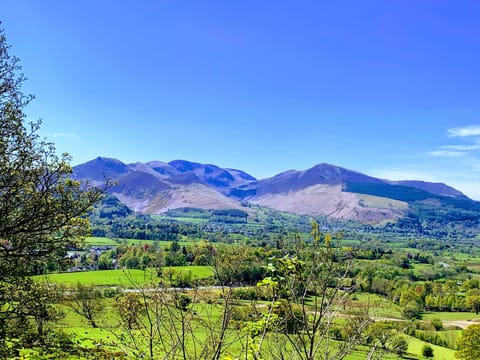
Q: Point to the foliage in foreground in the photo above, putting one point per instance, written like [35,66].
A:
[469,343]
[42,213]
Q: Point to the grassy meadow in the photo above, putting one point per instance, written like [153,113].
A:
[122,277]
[105,241]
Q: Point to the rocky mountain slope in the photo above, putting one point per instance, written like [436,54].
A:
[156,187]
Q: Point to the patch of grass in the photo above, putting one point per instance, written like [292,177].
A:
[419,266]
[162,243]
[378,306]
[187,220]
[360,353]
[439,353]
[101,277]
[450,316]
[124,278]
[200,272]
[107,319]
[99,241]
[104,241]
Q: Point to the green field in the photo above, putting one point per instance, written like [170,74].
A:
[191,220]
[104,241]
[377,306]
[123,278]
[100,241]
[439,353]
[450,316]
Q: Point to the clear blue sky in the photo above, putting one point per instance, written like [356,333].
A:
[389,88]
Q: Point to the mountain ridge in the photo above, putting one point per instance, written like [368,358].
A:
[324,189]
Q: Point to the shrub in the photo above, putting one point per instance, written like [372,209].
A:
[437,324]
[290,319]
[110,292]
[399,345]
[427,351]
[411,311]
[335,333]
[245,294]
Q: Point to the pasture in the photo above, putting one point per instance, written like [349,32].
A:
[105,241]
[127,278]
[451,316]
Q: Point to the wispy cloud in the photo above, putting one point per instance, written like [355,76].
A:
[473,130]
[461,147]
[456,164]
[459,150]
[447,153]
[454,150]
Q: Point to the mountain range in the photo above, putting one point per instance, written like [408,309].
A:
[328,190]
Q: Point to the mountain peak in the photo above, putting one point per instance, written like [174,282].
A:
[100,168]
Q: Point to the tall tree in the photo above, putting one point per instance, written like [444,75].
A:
[42,210]
[468,344]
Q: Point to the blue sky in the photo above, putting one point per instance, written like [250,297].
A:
[389,88]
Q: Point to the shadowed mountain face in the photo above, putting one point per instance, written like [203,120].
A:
[156,187]
[211,175]
[293,180]
[162,168]
[434,188]
[140,185]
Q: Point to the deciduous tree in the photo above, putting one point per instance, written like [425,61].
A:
[41,208]
[469,343]
[311,279]
[85,301]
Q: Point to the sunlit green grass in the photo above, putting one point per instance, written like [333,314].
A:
[378,307]
[439,353]
[123,278]
[101,278]
[100,241]
[105,241]
[192,220]
[450,316]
